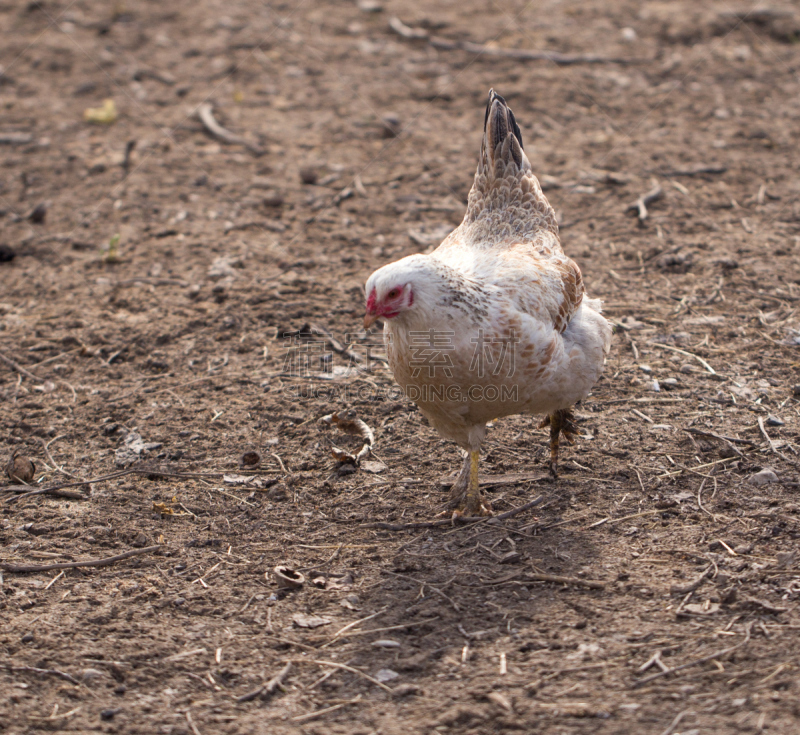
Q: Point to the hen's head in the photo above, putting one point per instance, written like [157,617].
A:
[393,290]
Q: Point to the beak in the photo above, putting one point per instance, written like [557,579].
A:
[369,319]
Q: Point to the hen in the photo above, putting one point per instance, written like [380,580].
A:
[495,321]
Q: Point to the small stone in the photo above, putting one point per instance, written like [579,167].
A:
[775,421]
[385,675]
[405,690]
[686,368]
[669,383]
[278,493]
[120,689]
[369,6]
[27,638]
[108,714]
[765,477]
[654,386]
[501,700]
[309,175]
[92,676]
[392,126]
[301,620]
[273,199]
[646,369]
[796,390]
[628,34]
[39,213]
[386,643]
[7,253]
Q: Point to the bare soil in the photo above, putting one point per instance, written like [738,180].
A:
[168,294]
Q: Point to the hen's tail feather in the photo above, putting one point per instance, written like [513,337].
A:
[502,118]
[506,198]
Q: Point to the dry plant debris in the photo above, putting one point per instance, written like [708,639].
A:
[682,501]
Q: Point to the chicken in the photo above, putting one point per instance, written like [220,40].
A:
[495,321]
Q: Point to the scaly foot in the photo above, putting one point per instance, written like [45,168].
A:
[560,422]
[465,495]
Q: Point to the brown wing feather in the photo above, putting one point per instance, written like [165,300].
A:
[571,293]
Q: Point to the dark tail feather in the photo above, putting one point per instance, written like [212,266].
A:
[498,124]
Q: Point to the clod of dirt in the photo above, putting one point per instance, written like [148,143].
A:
[38,214]
[288,578]
[385,675]
[273,199]
[92,677]
[140,541]
[225,267]
[764,477]
[20,469]
[369,6]
[309,175]
[391,126]
[301,620]
[250,460]
[132,449]
[7,254]
[278,493]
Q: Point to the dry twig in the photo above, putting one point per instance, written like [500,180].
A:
[696,170]
[445,44]
[74,564]
[21,370]
[275,683]
[52,672]
[640,205]
[558,579]
[352,670]
[699,359]
[15,138]
[696,662]
[206,115]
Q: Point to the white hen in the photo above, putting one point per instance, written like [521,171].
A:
[495,321]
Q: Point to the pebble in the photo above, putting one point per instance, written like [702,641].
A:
[654,386]
[92,676]
[765,477]
[646,369]
[108,714]
[775,421]
[385,675]
[669,383]
[309,175]
[686,368]
[386,643]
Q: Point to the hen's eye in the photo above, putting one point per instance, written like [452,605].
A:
[394,293]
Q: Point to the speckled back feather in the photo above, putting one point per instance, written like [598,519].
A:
[506,200]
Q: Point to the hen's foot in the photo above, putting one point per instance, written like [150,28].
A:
[466,498]
[560,422]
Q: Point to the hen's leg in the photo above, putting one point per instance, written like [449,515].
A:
[465,495]
[560,422]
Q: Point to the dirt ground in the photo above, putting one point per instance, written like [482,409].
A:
[168,305]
